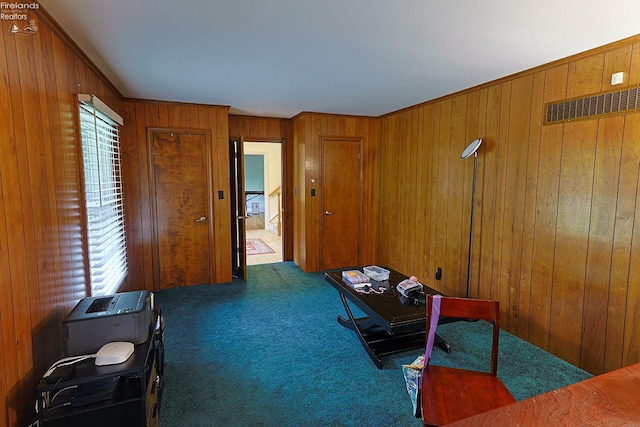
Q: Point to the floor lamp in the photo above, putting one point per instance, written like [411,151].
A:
[471,150]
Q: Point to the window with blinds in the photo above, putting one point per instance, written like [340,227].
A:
[103,195]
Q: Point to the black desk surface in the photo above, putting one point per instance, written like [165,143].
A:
[387,309]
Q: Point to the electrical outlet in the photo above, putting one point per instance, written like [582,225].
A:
[617,78]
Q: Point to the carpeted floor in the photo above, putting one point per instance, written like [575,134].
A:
[269,352]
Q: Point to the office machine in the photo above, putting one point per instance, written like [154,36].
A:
[95,321]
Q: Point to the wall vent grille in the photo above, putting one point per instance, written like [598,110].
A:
[592,106]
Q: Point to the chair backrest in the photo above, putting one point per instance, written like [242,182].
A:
[470,309]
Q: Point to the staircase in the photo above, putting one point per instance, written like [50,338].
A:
[277,217]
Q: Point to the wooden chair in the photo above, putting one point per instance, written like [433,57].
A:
[451,394]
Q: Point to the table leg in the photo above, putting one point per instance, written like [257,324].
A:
[378,343]
[445,346]
[363,323]
[355,325]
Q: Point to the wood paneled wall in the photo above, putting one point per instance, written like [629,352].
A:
[268,129]
[138,116]
[555,229]
[42,263]
[258,129]
[42,260]
[308,130]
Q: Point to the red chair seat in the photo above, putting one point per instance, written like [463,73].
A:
[450,394]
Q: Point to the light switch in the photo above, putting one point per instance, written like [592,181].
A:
[617,78]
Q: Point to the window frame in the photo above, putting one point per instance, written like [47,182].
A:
[103,198]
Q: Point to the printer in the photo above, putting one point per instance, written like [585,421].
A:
[96,321]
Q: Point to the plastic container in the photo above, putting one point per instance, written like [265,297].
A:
[354,276]
[376,273]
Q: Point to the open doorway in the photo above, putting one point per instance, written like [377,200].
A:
[263,189]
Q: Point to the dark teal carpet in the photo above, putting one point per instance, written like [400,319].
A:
[269,352]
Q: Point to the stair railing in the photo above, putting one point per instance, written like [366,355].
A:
[277,192]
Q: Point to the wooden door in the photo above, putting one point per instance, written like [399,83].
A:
[238,209]
[341,202]
[182,207]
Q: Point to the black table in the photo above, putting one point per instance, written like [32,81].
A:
[390,325]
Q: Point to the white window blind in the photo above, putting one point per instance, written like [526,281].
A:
[103,195]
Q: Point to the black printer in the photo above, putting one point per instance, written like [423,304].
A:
[95,321]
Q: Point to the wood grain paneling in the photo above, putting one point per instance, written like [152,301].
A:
[42,265]
[555,226]
[259,128]
[623,266]
[530,200]
[606,175]
[42,260]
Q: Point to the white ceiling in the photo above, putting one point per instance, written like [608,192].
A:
[277,58]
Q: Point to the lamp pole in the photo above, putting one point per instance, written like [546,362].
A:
[472,149]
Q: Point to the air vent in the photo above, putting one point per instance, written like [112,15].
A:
[592,106]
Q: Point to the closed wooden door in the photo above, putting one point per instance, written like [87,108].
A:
[181,191]
[341,202]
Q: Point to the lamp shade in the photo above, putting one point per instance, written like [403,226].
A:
[471,148]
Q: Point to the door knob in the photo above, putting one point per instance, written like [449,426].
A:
[328,213]
[201,219]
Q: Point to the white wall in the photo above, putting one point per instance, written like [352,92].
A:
[272,171]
